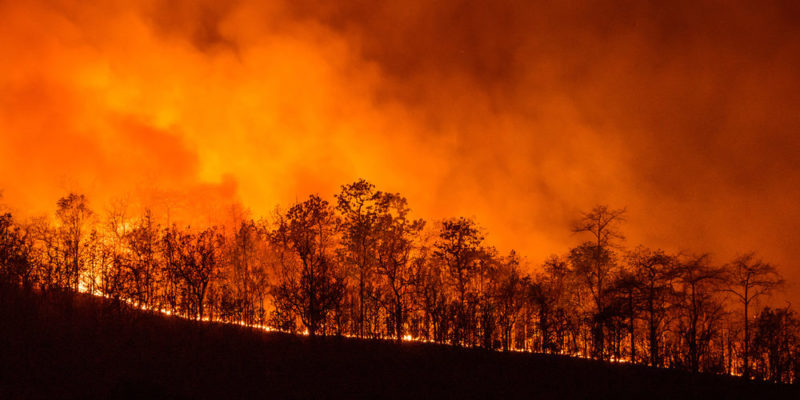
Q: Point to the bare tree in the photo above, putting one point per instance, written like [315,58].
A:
[748,279]
[593,261]
[653,273]
[73,213]
[698,282]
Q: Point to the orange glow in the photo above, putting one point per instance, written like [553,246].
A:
[516,114]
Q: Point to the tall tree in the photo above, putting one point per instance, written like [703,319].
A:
[593,261]
[748,279]
[246,265]
[119,273]
[315,290]
[625,289]
[459,247]
[654,273]
[511,285]
[142,243]
[15,253]
[74,214]
[357,204]
[488,271]
[776,344]
[698,282]
[394,251]
[430,295]
[195,258]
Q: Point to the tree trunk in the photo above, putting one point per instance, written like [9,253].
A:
[631,327]
[746,372]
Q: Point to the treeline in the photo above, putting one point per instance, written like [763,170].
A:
[364,267]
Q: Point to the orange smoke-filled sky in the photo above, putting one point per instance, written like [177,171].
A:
[518,113]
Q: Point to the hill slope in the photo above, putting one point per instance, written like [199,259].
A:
[81,347]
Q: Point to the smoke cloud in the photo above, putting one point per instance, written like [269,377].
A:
[518,113]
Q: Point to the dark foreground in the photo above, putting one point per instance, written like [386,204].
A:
[65,347]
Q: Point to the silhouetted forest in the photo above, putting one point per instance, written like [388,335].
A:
[362,266]
[70,345]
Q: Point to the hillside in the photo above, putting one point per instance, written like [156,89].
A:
[82,347]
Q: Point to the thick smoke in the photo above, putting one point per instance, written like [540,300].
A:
[518,113]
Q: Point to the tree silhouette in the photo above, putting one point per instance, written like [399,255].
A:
[194,259]
[748,280]
[459,248]
[510,297]
[366,268]
[247,266]
[73,212]
[625,292]
[394,252]
[429,290]
[314,290]
[15,248]
[143,243]
[357,204]
[593,262]
[652,276]
[698,282]
[776,342]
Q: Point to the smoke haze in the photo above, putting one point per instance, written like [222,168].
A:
[520,114]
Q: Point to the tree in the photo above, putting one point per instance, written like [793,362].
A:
[15,248]
[49,257]
[316,289]
[593,261]
[749,279]
[429,293]
[357,204]
[625,290]
[73,213]
[142,243]
[194,258]
[246,264]
[113,274]
[698,282]
[510,295]
[118,273]
[394,247]
[776,342]
[489,265]
[653,273]
[547,294]
[459,248]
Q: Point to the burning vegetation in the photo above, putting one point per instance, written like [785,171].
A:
[363,266]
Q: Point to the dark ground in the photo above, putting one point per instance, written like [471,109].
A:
[65,347]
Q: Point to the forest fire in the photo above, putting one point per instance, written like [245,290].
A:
[186,107]
[611,182]
[365,268]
